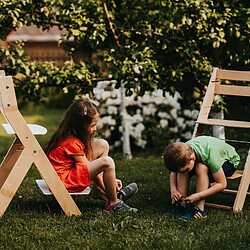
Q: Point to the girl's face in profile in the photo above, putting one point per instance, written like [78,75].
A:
[93,124]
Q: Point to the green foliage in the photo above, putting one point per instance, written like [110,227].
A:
[32,78]
[171,45]
[34,221]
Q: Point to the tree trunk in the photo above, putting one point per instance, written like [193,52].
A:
[125,125]
[219,131]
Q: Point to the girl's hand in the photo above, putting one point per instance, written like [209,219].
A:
[118,184]
[176,195]
[192,198]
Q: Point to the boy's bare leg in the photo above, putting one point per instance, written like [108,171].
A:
[202,182]
[182,185]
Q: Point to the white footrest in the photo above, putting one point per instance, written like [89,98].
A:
[35,129]
[46,191]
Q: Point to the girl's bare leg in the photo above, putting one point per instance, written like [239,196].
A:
[100,149]
[202,182]
[106,165]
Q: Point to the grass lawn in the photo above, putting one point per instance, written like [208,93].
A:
[33,221]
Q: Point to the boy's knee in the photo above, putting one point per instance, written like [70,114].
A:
[201,169]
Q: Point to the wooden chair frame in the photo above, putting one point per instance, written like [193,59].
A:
[25,151]
[216,88]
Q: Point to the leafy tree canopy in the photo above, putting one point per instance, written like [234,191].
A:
[171,45]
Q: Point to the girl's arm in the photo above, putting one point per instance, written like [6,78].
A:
[83,159]
[80,158]
[98,179]
[221,183]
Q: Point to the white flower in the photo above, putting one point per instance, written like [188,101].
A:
[149,109]
[157,100]
[187,135]
[120,129]
[105,95]
[112,110]
[137,118]
[141,143]
[190,123]
[195,114]
[144,108]
[108,120]
[173,112]
[117,143]
[187,113]
[146,98]
[180,120]
[158,93]
[116,93]
[164,115]
[114,102]
[163,123]
[139,128]
[173,129]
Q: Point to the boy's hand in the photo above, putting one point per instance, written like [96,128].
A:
[176,195]
[192,198]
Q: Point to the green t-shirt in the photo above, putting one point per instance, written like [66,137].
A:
[213,152]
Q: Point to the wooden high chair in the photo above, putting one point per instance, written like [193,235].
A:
[216,88]
[25,151]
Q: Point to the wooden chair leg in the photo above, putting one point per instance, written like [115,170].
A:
[198,130]
[243,187]
[55,184]
[14,180]
[10,160]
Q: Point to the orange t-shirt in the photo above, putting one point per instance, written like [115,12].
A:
[74,175]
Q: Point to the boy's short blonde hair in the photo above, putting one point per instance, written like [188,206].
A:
[177,155]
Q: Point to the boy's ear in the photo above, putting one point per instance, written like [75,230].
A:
[193,157]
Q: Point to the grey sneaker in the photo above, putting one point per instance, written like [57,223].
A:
[127,192]
[120,206]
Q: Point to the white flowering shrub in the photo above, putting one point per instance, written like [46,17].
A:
[154,120]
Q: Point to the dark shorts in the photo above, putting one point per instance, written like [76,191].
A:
[227,167]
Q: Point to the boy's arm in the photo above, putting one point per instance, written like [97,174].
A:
[221,184]
[173,181]
[175,194]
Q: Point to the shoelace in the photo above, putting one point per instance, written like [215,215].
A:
[126,190]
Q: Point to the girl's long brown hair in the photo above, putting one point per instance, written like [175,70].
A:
[76,123]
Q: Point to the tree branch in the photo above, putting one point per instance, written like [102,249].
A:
[111,26]
[113,31]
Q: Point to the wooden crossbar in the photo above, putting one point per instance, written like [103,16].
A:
[233,75]
[225,123]
[231,90]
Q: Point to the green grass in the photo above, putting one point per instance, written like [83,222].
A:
[34,221]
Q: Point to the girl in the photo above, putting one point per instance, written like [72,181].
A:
[78,160]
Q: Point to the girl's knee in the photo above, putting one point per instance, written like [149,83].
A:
[102,144]
[107,161]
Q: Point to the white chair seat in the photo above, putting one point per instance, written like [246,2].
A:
[35,129]
[46,191]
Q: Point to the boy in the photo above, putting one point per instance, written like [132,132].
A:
[210,159]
